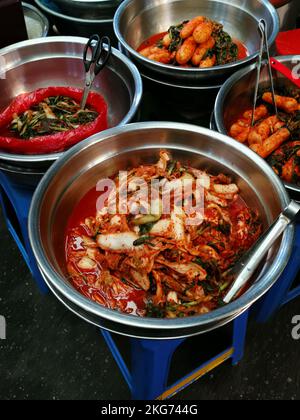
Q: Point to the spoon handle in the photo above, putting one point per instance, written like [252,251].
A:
[246,267]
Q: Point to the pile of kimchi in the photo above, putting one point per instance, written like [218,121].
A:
[157,262]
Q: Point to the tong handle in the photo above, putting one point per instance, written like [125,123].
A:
[247,266]
[264,30]
[264,47]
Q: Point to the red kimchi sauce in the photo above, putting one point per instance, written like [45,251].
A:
[242,49]
[134,300]
[153,40]
[87,207]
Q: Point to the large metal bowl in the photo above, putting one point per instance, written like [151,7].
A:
[137,20]
[103,155]
[184,99]
[66,24]
[89,9]
[237,93]
[195,103]
[57,61]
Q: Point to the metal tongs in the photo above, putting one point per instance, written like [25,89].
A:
[96,54]
[264,48]
[246,267]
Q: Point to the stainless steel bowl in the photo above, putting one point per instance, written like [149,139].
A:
[103,155]
[237,94]
[137,20]
[57,61]
[71,25]
[37,24]
[188,103]
[185,100]
[89,9]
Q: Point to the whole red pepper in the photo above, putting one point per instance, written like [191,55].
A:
[52,143]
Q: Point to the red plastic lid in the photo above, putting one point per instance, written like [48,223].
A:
[288,43]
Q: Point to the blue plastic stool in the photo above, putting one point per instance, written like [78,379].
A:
[283,291]
[15,202]
[150,359]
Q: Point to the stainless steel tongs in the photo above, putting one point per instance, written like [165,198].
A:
[264,48]
[246,267]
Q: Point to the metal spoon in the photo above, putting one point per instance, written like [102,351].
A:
[246,267]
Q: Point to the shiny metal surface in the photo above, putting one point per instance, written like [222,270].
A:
[137,20]
[57,61]
[196,102]
[188,102]
[212,122]
[264,49]
[245,269]
[24,176]
[70,25]
[89,9]
[237,94]
[33,13]
[103,155]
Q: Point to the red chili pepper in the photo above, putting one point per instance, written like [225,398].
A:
[57,142]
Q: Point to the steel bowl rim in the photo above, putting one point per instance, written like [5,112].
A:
[86,317]
[180,86]
[180,70]
[93,1]
[70,18]
[67,290]
[44,19]
[227,86]
[136,100]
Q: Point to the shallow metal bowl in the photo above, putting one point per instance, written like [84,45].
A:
[137,20]
[237,93]
[89,9]
[78,171]
[57,61]
[37,24]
